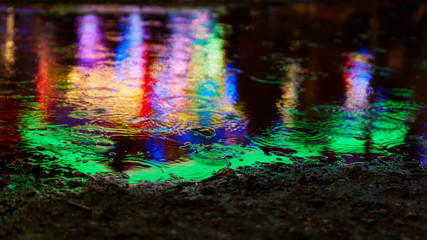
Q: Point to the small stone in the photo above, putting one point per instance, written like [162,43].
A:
[280,151]
[125,176]
[207,132]
[397,222]
[382,211]
[411,215]
[186,145]
[369,221]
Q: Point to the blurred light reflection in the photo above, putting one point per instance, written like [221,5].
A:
[9,48]
[102,91]
[195,83]
[134,93]
[45,80]
[291,88]
[91,45]
[351,133]
[130,51]
[357,75]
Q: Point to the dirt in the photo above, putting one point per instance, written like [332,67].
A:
[384,199]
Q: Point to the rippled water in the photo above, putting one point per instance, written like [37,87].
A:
[157,93]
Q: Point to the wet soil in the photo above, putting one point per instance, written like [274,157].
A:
[384,199]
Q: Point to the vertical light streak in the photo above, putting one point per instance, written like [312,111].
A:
[45,80]
[351,133]
[196,87]
[129,53]
[357,76]
[172,82]
[9,52]
[91,41]
[132,64]
[292,133]
[91,77]
[207,66]
[291,88]
[195,81]
[9,134]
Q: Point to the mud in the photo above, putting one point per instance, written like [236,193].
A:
[384,199]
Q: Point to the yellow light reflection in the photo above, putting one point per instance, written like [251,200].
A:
[102,90]
[9,57]
[291,89]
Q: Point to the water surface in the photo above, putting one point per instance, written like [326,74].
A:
[158,93]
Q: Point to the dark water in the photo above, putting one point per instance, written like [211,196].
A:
[160,92]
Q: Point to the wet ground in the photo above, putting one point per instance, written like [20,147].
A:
[181,92]
[267,121]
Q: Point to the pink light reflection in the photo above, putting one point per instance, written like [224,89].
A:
[91,40]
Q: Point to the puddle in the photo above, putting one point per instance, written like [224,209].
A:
[162,92]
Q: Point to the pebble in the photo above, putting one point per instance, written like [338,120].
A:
[383,211]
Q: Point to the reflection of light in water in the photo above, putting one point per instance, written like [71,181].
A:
[172,82]
[91,46]
[133,70]
[45,81]
[104,96]
[351,133]
[367,127]
[9,134]
[129,53]
[55,133]
[9,46]
[291,88]
[207,67]
[103,91]
[132,63]
[195,81]
[180,44]
[357,74]
[211,79]
[197,87]
[231,89]
[390,118]
[291,132]
[109,91]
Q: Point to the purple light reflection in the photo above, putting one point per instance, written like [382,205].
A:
[172,82]
[91,40]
